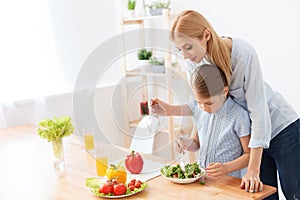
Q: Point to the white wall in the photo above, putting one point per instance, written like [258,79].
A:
[80,27]
[271,26]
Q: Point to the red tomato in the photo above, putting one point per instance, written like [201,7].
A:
[119,189]
[106,188]
[134,163]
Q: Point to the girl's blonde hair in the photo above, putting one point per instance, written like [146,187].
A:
[193,25]
[208,80]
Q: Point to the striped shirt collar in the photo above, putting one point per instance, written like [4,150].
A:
[226,106]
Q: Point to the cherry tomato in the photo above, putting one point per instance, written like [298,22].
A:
[129,184]
[131,187]
[137,184]
[119,189]
[112,182]
[133,180]
[106,188]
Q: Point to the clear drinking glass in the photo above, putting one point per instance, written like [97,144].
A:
[101,161]
[88,138]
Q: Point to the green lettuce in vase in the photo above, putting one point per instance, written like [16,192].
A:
[54,129]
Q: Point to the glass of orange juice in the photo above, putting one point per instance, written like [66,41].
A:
[101,161]
[88,138]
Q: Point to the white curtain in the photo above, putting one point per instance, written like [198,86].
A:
[29,62]
[29,65]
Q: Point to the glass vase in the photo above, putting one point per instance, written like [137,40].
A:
[58,152]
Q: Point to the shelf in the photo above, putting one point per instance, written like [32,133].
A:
[140,20]
[134,124]
[177,128]
[141,73]
[169,128]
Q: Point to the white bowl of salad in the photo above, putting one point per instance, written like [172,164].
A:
[192,173]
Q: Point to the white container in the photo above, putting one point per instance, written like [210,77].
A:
[158,68]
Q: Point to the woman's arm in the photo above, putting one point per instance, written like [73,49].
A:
[166,109]
[218,170]
[257,104]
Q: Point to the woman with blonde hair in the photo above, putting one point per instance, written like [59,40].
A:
[275,126]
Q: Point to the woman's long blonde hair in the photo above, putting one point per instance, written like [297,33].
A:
[193,24]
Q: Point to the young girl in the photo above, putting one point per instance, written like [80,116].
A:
[275,126]
[223,126]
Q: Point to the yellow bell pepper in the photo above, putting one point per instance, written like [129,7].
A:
[116,172]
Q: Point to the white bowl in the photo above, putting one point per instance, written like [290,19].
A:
[185,180]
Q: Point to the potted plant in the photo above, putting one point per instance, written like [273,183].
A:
[144,55]
[156,7]
[54,129]
[131,6]
[158,64]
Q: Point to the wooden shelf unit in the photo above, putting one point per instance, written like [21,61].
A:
[165,20]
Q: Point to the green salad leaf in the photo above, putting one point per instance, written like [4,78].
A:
[93,182]
[192,170]
[55,128]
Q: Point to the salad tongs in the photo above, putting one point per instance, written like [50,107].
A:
[181,164]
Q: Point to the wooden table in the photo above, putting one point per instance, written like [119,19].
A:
[27,172]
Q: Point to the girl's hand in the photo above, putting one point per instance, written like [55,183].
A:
[251,182]
[216,170]
[179,145]
[160,107]
[183,144]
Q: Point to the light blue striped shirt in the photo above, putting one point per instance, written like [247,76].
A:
[219,133]
[269,112]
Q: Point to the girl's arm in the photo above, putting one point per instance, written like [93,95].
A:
[195,145]
[218,170]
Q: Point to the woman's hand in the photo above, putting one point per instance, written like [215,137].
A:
[160,107]
[216,170]
[251,182]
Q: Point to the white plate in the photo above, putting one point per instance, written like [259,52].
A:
[94,191]
[116,197]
